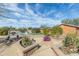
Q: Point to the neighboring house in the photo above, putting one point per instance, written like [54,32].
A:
[67,28]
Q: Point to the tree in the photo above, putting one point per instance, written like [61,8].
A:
[71,21]
[4,30]
[67,21]
[76,22]
[30,28]
[44,26]
[36,30]
[22,29]
[56,31]
[45,31]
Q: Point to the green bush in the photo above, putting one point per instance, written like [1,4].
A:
[71,41]
[36,30]
[56,31]
[4,30]
[45,31]
[77,43]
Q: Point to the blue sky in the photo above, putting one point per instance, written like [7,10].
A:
[36,14]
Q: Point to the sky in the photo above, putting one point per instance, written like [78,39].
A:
[36,14]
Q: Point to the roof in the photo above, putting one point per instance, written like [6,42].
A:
[70,25]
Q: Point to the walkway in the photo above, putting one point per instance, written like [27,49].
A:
[46,46]
[44,50]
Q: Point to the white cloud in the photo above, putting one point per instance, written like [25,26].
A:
[59,15]
[12,6]
[17,14]
[30,11]
[24,21]
[50,12]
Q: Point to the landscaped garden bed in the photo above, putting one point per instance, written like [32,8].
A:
[25,42]
[70,44]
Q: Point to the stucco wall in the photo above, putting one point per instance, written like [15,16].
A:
[68,29]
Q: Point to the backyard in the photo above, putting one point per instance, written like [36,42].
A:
[50,40]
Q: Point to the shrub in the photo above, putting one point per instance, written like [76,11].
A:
[70,39]
[45,31]
[71,42]
[4,31]
[36,30]
[56,31]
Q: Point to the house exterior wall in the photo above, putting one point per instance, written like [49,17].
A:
[68,29]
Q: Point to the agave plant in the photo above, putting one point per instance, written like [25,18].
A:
[25,42]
